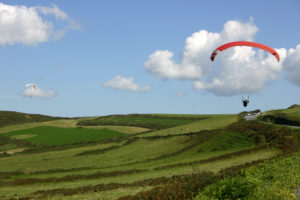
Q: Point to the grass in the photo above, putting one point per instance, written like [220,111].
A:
[227,140]
[131,164]
[53,136]
[145,121]
[105,195]
[128,156]
[210,123]
[71,123]
[10,118]
[276,179]
[291,114]
[122,129]
[23,190]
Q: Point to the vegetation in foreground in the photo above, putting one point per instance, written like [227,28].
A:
[275,179]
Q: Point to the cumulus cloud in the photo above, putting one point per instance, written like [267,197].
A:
[242,71]
[21,24]
[35,91]
[292,65]
[238,70]
[123,83]
[161,64]
[195,62]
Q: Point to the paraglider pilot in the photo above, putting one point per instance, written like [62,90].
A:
[245,101]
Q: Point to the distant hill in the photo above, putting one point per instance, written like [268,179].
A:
[11,118]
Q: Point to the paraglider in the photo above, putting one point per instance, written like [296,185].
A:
[31,85]
[245,101]
[244,43]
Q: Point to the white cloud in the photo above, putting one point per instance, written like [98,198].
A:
[242,71]
[21,24]
[38,93]
[195,62]
[122,83]
[58,13]
[292,65]
[239,70]
[180,94]
[161,64]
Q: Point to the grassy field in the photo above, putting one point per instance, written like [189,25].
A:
[70,123]
[52,136]
[146,121]
[140,163]
[210,122]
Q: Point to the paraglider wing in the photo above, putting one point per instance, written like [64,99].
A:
[31,85]
[244,43]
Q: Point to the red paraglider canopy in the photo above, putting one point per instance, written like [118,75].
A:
[244,43]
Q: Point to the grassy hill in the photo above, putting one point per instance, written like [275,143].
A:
[142,120]
[178,161]
[289,116]
[10,118]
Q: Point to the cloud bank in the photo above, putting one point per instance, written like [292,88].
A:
[21,24]
[123,83]
[238,70]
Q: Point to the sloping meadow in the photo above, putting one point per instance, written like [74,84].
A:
[171,165]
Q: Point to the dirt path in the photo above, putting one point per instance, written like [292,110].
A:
[13,151]
[298,193]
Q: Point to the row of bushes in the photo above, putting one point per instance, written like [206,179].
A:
[280,119]
[165,188]
[284,138]
[176,186]
[72,177]
[188,186]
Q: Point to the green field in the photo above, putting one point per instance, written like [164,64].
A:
[52,136]
[146,121]
[70,123]
[209,122]
[125,162]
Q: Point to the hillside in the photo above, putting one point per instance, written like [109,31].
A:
[10,118]
[289,116]
[175,161]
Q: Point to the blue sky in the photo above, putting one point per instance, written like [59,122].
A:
[94,57]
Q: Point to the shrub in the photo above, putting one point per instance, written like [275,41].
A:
[232,188]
